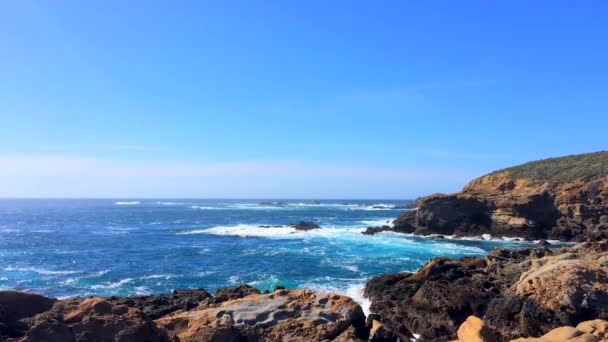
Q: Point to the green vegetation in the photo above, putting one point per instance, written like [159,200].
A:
[563,169]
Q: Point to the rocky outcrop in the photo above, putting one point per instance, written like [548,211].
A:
[560,198]
[517,293]
[241,314]
[304,225]
[284,315]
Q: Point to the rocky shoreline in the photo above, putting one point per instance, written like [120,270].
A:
[535,294]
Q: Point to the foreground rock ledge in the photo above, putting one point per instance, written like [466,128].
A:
[517,293]
[241,314]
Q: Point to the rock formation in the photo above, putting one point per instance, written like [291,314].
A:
[241,314]
[517,293]
[559,198]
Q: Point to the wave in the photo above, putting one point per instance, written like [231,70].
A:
[204,207]
[142,291]
[170,203]
[127,203]
[378,222]
[112,285]
[247,230]
[39,270]
[158,276]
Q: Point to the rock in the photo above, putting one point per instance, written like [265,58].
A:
[474,330]
[223,295]
[156,306]
[589,331]
[518,293]
[93,319]
[544,243]
[279,287]
[304,226]
[284,315]
[560,198]
[379,333]
[405,223]
[232,315]
[374,230]
[15,306]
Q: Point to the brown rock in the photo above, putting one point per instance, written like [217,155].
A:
[474,330]
[589,331]
[284,315]
[560,198]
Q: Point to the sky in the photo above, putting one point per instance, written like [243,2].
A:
[292,99]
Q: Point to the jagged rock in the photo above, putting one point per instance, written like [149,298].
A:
[155,306]
[293,315]
[93,319]
[516,292]
[223,295]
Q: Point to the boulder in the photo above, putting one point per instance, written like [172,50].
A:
[474,330]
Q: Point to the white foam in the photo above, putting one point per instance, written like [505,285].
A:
[127,203]
[170,203]
[379,222]
[281,232]
[234,280]
[112,285]
[39,270]
[158,276]
[142,291]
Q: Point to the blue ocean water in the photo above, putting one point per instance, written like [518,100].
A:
[126,247]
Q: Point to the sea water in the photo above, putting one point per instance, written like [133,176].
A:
[104,247]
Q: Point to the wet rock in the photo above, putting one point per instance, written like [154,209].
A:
[375,230]
[304,226]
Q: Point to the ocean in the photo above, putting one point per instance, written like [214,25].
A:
[103,247]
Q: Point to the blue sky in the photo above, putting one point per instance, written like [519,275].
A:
[323,99]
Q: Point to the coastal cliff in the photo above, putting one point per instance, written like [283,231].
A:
[562,198]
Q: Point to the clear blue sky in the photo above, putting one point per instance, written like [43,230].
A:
[324,99]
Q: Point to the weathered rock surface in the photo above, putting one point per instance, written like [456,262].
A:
[589,331]
[516,292]
[284,315]
[241,314]
[560,198]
